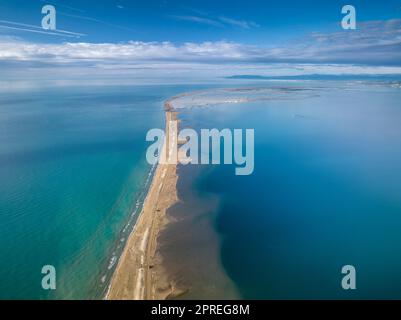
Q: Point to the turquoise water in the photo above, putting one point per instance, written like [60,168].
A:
[325,193]
[73,172]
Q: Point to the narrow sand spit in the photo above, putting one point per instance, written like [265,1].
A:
[139,274]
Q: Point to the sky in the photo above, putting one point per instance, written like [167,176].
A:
[264,37]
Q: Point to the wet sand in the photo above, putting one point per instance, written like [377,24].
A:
[190,247]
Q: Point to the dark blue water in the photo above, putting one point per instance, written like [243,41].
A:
[325,193]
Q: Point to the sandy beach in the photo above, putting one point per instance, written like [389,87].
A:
[139,268]
[141,273]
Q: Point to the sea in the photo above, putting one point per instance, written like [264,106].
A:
[73,176]
[325,192]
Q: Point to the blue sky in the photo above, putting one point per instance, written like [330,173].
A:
[259,33]
[262,22]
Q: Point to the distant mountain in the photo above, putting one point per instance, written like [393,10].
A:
[396,77]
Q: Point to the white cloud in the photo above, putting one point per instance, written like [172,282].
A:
[198,19]
[362,51]
[6,24]
[132,51]
[239,23]
[221,22]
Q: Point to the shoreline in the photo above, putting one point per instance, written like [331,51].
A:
[140,273]
[149,281]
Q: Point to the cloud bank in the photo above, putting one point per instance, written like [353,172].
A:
[375,42]
[375,48]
